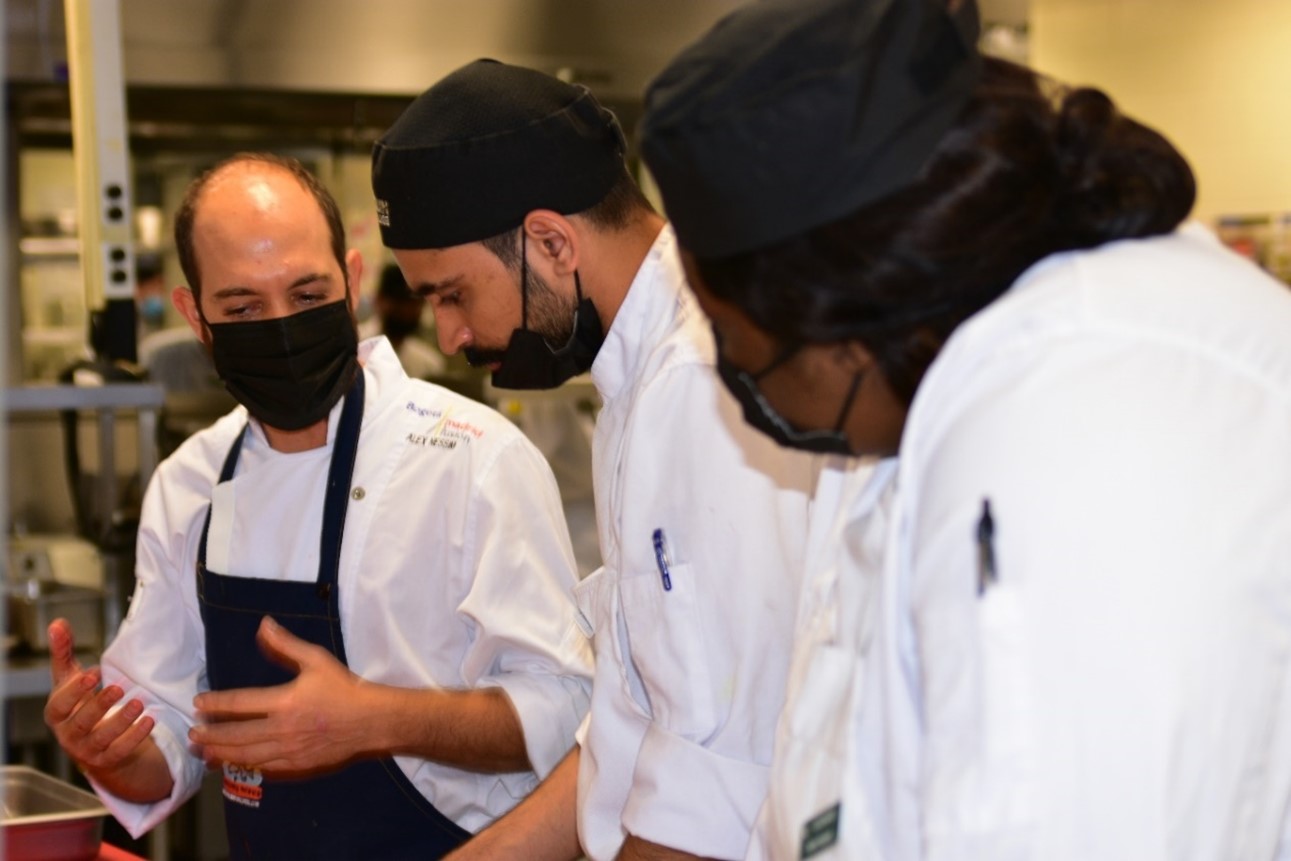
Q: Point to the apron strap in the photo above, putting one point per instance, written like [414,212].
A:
[226,473]
[231,460]
[340,475]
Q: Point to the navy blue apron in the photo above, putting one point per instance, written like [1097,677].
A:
[368,809]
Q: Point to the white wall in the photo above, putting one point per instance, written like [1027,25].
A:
[1213,75]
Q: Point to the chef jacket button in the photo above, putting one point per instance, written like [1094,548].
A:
[358,493]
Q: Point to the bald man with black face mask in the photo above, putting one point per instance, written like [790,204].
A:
[354,591]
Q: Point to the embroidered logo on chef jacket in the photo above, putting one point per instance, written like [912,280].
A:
[447,432]
[383,213]
[820,832]
[242,785]
[423,412]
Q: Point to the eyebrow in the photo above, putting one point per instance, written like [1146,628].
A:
[429,288]
[239,290]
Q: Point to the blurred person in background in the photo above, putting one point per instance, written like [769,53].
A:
[149,294]
[172,355]
[397,315]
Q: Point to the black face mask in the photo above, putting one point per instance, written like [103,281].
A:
[762,416]
[529,362]
[288,372]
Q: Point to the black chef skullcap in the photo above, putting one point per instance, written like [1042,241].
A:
[790,114]
[471,156]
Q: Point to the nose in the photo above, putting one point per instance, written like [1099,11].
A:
[451,331]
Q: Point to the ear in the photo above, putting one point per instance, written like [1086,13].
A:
[554,238]
[853,356]
[353,272]
[186,304]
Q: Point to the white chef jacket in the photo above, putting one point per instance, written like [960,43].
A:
[689,679]
[455,572]
[1123,689]
[822,753]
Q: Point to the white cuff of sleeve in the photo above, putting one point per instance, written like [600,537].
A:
[687,797]
[186,771]
[550,709]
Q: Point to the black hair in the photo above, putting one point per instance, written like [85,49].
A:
[615,211]
[188,210]
[1023,174]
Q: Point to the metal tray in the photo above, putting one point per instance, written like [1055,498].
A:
[33,604]
[46,819]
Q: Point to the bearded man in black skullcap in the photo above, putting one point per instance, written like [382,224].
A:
[506,199]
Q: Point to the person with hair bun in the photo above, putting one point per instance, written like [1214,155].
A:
[1055,619]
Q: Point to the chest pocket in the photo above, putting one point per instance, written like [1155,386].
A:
[600,618]
[985,799]
[663,641]
[819,807]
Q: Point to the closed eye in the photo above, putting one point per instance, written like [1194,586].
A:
[239,310]
[440,294]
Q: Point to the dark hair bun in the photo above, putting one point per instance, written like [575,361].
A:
[1121,180]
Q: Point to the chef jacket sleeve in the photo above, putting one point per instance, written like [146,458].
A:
[707,649]
[158,655]
[520,566]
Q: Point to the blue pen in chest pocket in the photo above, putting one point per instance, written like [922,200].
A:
[661,559]
[985,535]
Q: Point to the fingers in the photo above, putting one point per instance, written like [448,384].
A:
[237,704]
[273,759]
[115,737]
[62,650]
[79,716]
[92,711]
[248,743]
[284,647]
[69,694]
[246,755]
[133,733]
[228,734]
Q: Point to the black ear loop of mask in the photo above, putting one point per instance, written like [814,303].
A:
[529,360]
[759,413]
[788,353]
[524,280]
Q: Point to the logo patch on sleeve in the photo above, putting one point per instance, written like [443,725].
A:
[820,832]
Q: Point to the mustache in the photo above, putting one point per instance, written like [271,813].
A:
[477,357]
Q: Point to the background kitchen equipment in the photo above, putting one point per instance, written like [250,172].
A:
[46,819]
[52,576]
[98,556]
